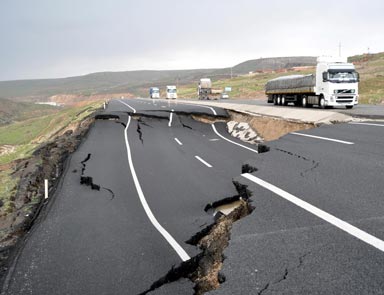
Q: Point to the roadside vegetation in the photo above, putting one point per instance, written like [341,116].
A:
[371,87]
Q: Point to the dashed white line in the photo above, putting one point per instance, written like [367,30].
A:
[179,250]
[368,124]
[178,141]
[323,138]
[238,144]
[204,162]
[350,229]
[170,118]
[134,111]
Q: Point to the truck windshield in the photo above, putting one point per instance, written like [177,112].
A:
[171,90]
[343,76]
[155,90]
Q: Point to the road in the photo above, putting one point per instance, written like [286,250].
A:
[358,111]
[158,168]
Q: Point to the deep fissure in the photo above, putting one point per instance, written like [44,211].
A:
[204,268]
[88,180]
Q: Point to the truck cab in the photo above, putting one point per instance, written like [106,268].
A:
[336,82]
[154,92]
[171,92]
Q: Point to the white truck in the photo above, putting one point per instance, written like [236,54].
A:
[154,92]
[171,92]
[335,83]
[205,90]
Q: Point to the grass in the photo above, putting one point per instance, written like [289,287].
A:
[7,190]
[26,136]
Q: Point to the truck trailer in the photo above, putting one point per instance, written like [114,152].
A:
[335,83]
[205,90]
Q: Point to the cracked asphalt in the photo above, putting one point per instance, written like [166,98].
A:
[87,243]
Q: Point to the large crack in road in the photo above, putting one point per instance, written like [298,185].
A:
[204,269]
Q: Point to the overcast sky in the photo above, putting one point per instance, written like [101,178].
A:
[60,38]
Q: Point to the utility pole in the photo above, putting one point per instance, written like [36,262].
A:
[231,73]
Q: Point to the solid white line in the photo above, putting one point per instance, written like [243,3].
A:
[368,124]
[323,138]
[192,104]
[179,250]
[178,141]
[134,111]
[202,161]
[243,146]
[170,118]
[352,230]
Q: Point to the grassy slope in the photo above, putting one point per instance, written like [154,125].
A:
[371,87]
[11,111]
[371,69]
[26,135]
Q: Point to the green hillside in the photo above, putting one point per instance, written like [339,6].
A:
[135,82]
[244,85]
[11,111]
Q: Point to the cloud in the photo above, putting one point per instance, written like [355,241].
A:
[44,38]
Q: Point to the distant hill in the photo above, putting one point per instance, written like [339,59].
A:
[273,63]
[11,111]
[135,82]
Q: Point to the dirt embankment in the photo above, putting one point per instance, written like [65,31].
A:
[270,128]
[47,162]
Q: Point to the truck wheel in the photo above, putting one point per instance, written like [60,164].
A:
[349,107]
[283,102]
[279,100]
[304,102]
[275,100]
[322,102]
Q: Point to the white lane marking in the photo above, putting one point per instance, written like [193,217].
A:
[163,106]
[243,146]
[178,141]
[323,138]
[352,230]
[214,139]
[204,162]
[134,111]
[192,104]
[368,124]
[179,250]
[170,118]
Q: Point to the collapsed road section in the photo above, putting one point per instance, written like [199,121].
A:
[204,269]
[117,234]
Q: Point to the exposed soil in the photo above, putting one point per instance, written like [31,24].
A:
[270,128]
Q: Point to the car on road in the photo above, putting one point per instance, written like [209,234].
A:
[224,95]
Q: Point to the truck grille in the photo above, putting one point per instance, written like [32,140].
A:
[345,99]
[344,91]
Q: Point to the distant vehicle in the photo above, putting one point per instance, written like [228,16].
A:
[154,92]
[334,84]
[205,90]
[224,95]
[171,92]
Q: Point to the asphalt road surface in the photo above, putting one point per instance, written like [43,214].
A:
[317,227]
[358,111]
